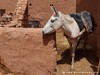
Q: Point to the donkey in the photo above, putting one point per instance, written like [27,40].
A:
[73,25]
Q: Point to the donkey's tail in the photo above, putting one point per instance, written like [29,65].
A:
[88,21]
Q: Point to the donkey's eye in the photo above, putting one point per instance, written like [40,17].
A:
[52,21]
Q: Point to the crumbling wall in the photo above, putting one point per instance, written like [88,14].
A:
[27,52]
[20,14]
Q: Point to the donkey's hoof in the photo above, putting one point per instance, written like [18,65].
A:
[72,68]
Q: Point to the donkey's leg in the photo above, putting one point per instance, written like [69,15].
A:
[73,54]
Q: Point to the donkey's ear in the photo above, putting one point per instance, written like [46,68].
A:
[54,10]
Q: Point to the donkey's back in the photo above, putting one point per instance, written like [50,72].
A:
[84,19]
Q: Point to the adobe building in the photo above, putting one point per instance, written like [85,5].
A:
[39,10]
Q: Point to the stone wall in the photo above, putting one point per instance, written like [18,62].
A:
[27,52]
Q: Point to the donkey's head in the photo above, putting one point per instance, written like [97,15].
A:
[54,22]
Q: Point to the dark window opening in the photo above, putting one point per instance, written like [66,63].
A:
[33,24]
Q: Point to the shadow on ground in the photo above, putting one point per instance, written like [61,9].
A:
[90,57]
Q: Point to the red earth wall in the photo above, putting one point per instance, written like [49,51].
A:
[90,6]
[98,27]
[40,9]
[9,5]
[27,52]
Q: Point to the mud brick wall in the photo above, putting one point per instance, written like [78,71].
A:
[9,5]
[98,27]
[90,6]
[40,9]
[27,52]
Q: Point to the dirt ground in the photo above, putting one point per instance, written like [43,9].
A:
[83,65]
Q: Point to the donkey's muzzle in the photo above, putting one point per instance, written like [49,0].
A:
[43,32]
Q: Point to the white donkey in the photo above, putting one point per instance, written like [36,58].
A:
[70,27]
